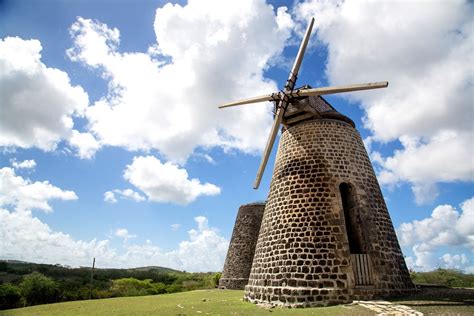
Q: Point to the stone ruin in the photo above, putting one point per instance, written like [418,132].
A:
[326,236]
[238,262]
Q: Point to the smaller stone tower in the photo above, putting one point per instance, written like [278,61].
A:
[239,258]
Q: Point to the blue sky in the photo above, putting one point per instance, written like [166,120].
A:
[112,145]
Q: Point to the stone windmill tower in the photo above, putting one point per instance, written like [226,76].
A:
[326,236]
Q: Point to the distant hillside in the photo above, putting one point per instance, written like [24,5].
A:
[156,268]
[24,265]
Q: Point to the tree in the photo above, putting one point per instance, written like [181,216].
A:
[10,296]
[132,287]
[3,266]
[216,278]
[39,289]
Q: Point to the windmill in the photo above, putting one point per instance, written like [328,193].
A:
[326,236]
[284,99]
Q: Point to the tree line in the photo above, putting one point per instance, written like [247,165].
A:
[26,284]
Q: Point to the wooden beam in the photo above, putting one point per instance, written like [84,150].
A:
[305,107]
[269,145]
[308,92]
[339,89]
[297,118]
[267,97]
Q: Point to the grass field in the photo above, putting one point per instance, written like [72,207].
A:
[227,302]
[203,302]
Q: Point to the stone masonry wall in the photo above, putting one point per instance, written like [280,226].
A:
[239,258]
[302,256]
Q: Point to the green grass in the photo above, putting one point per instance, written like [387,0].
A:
[203,302]
[226,302]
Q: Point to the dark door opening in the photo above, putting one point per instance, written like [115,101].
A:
[353,228]
[362,269]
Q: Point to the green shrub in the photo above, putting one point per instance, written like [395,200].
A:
[10,296]
[159,288]
[446,277]
[39,289]
[132,287]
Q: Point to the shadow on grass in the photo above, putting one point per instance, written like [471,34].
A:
[439,297]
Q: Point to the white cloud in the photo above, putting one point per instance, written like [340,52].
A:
[25,164]
[175,227]
[128,194]
[24,194]
[123,233]
[166,182]
[25,237]
[205,250]
[84,143]
[424,163]
[454,261]
[445,228]
[37,103]
[426,51]
[109,196]
[465,224]
[207,52]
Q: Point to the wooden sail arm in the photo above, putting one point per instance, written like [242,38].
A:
[309,92]
[338,89]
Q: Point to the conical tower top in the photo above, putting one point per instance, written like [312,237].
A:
[312,107]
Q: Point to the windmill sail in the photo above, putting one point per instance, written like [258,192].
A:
[339,89]
[308,92]
[290,84]
[288,95]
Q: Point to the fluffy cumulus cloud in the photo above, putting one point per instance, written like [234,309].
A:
[446,157]
[446,228]
[166,182]
[204,250]
[24,194]
[207,52]
[37,102]
[123,233]
[25,237]
[84,143]
[426,52]
[128,194]
[25,164]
